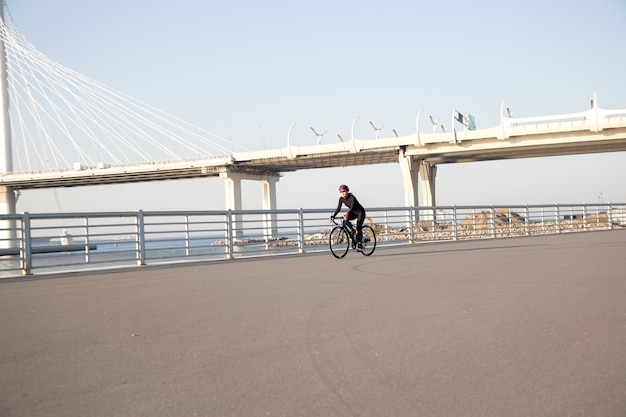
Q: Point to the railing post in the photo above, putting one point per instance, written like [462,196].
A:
[412,216]
[609,213]
[527,222]
[187,246]
[434,224]
[229,235]
[455,228]
[386,216]
[301,231]
[474,225]
[510,222]
[585,218]
[558,218]
[26,257]
[87,257]
[493,222]
[141,240]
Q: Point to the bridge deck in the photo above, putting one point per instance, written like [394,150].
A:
[521,326]
[536,138]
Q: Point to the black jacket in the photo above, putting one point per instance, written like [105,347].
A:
[352,203]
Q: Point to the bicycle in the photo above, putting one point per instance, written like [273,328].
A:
[343,235]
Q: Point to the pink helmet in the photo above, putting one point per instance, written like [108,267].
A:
[344,187]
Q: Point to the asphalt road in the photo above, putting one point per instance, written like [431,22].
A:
[532,326]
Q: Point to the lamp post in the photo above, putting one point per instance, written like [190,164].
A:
[353,123]
[289,139]
[352,133]
[319,136]
[376,129]
[433,122]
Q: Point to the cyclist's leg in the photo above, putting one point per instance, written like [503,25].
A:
[351,230]
[360,218]
[349,224]
[369,240]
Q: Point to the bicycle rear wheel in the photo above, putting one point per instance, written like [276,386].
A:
[369,240]
[339,242]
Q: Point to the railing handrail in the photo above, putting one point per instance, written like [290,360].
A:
[228,234]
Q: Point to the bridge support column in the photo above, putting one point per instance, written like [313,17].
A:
[269,203]
[233,198]
[416,171]
[409,168]
[234,201]
[428,172]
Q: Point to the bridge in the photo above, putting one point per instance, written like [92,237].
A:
[61,129]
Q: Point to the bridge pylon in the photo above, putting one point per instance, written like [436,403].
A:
[7,194]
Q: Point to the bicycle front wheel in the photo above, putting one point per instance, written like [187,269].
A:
[339,242]
[369,240]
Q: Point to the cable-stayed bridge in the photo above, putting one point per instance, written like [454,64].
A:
[62,129]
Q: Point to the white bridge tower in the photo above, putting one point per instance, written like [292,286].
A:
[7,194]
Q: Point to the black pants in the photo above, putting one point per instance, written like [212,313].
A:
[360,218]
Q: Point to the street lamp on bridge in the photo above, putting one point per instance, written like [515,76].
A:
[289,138]
[318,135]
[434,123]
[376,129]
[352,133]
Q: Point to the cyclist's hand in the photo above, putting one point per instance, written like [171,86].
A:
[332,218]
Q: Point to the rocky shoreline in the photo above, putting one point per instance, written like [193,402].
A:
[503,223]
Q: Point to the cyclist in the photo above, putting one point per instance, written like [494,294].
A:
[355,211]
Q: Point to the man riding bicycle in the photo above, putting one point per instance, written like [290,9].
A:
[355,211]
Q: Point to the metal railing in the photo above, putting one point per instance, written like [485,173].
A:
[33,243]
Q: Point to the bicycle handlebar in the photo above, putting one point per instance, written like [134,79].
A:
[341,223]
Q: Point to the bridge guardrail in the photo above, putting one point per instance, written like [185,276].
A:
[63,242]
[594,120]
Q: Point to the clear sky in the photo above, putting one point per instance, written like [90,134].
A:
[247,70]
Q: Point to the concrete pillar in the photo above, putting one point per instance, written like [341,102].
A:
[269,203]
[410,169]
[416,172]
[233,190]
[233,198]
[427,174]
